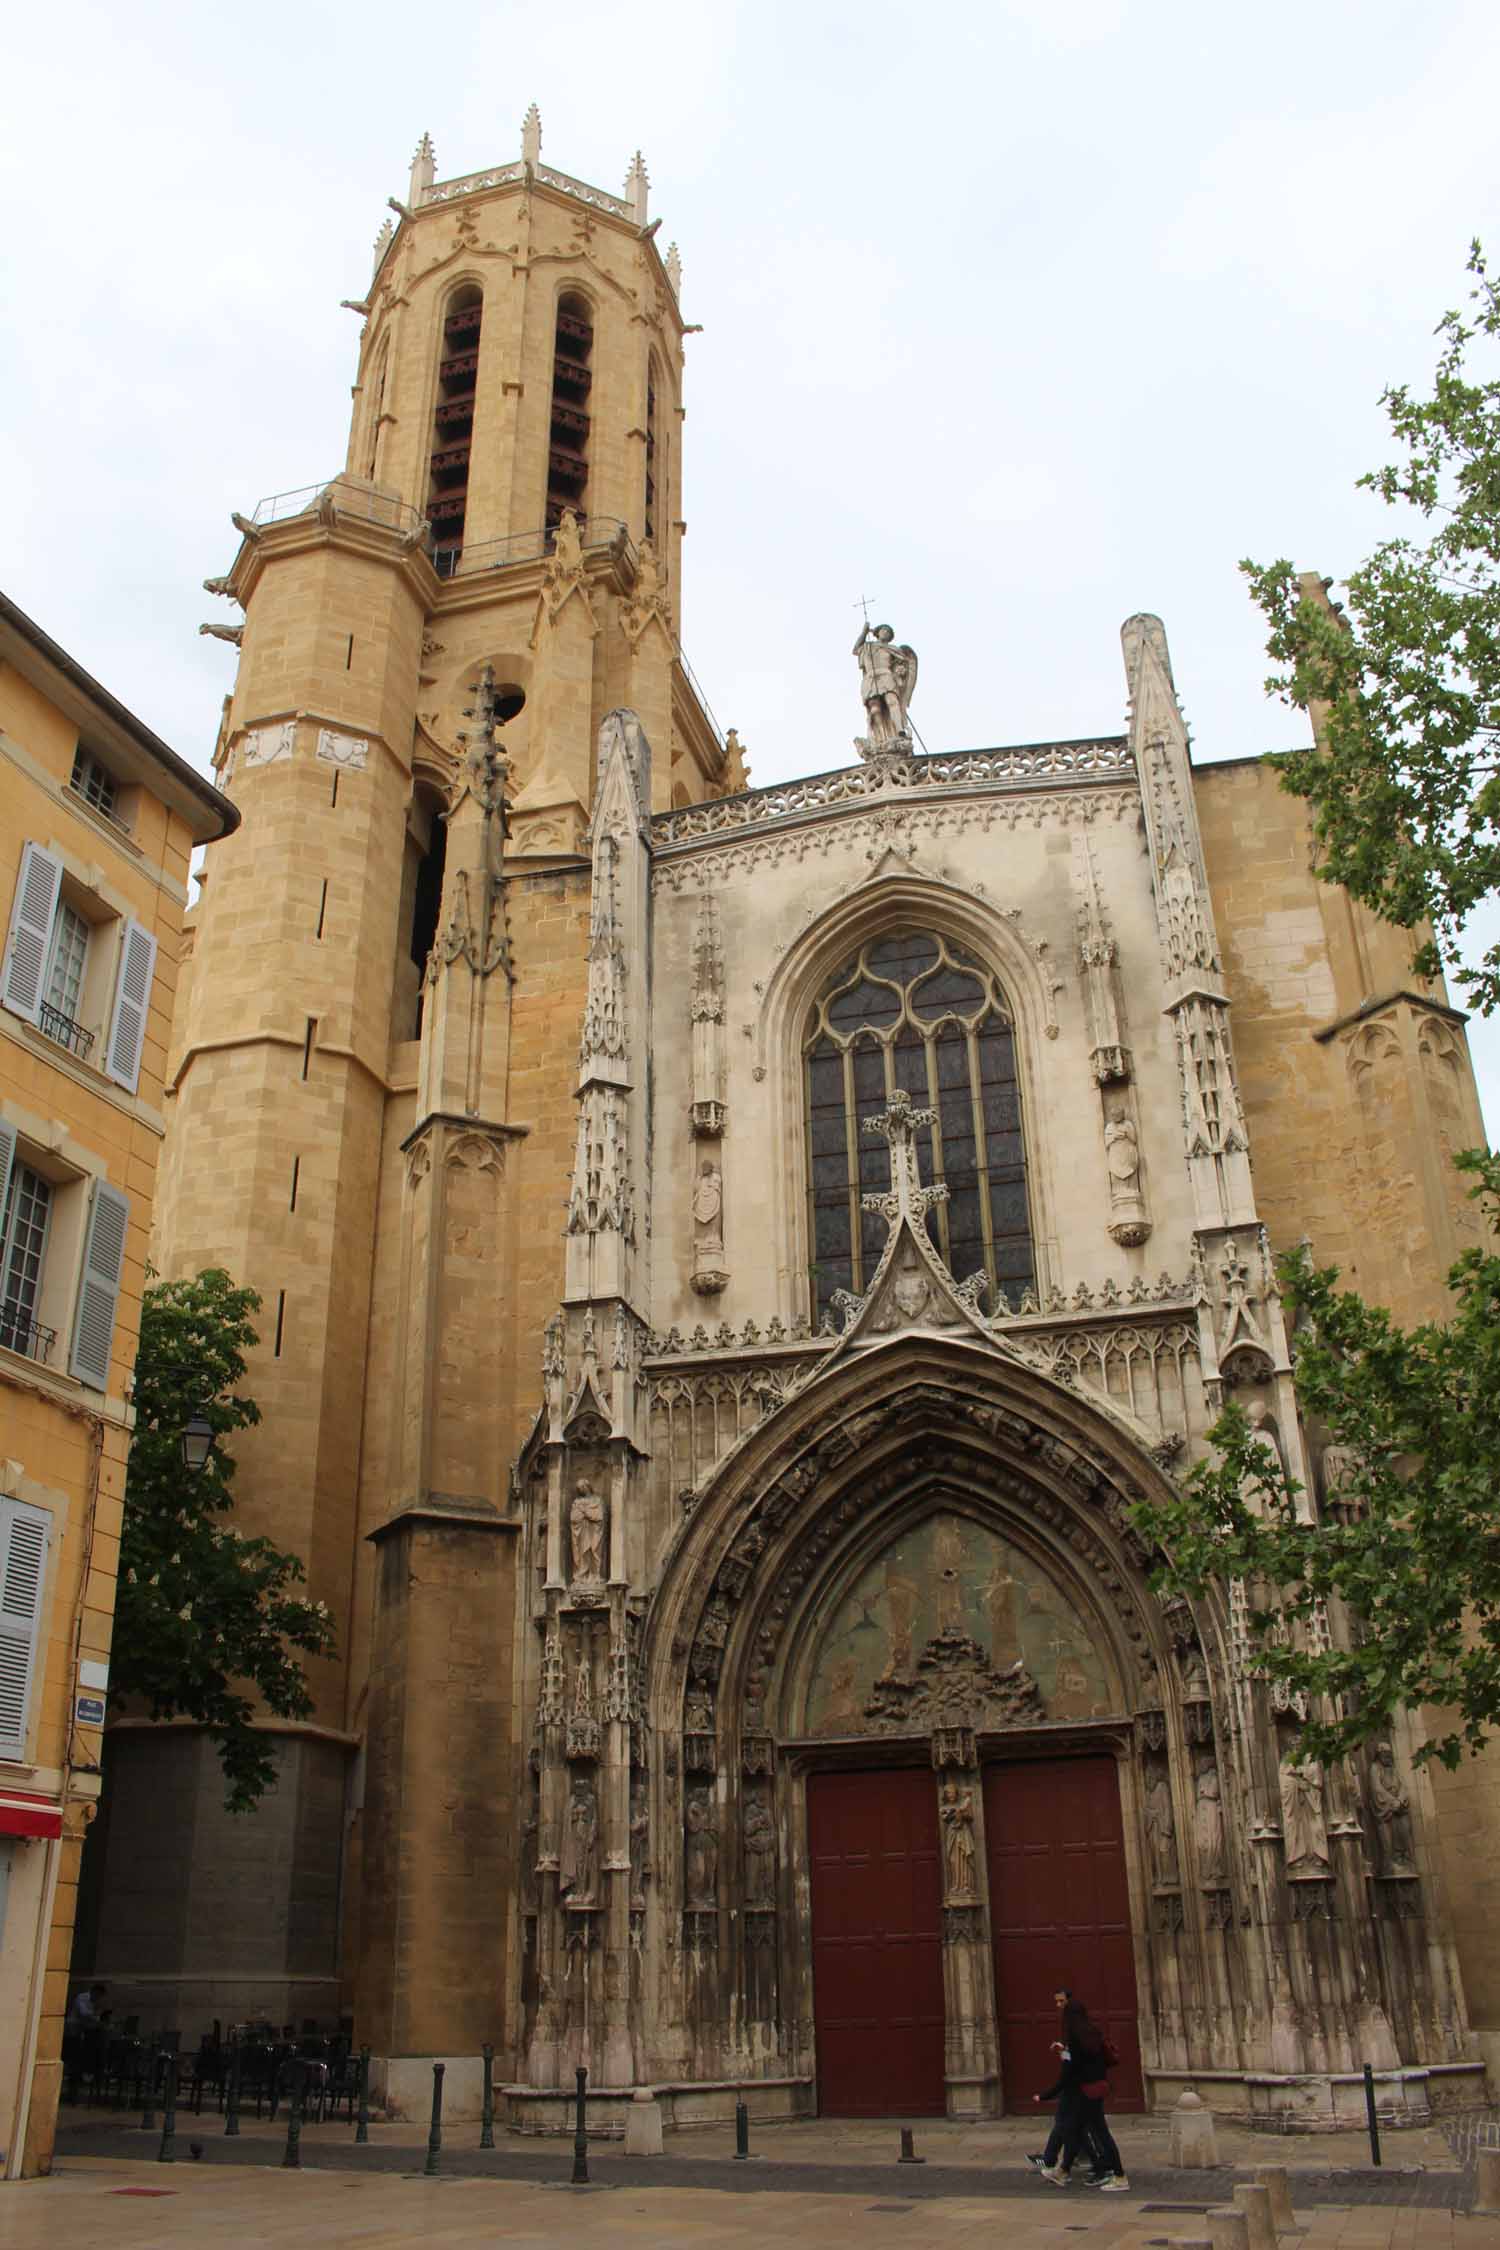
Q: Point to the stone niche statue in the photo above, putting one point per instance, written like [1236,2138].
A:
[702,1850]
[887,681]
[1390,1807]
[958,1844]
[759,1830]
[1208,1825]
[580,1853]
[1304,1835]
[1128,1222]
[586,1536]
[1161,1829]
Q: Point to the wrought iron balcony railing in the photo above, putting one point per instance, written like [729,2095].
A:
[20,1333]
[55,1025]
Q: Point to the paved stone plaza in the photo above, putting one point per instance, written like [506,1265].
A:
[124,2204]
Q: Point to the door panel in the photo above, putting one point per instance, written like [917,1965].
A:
[1059,1915]
[877,1943]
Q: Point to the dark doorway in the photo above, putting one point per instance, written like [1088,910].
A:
[877,1943]
[1059,1915]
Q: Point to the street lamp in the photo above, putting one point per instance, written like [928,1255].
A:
[197,1441]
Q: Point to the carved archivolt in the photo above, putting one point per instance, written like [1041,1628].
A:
[751,1560]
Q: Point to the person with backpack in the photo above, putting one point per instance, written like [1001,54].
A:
[1086,2055]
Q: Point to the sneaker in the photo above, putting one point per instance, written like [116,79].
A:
[1053,2174]
[1039,2160]
[1116,2184]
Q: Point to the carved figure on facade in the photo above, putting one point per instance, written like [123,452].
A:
[1341,1466]
[887,683]
[758,1832]
[957,1813]
[586,1536]
[640,1840]
[1304,1834]
[702,1858]
[1161,1828]
[708,1228]
[647,599]
[1390,1809]
[1128,1223]
[1208,1826]
[578,1874]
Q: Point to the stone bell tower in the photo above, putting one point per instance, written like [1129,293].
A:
[374,1081]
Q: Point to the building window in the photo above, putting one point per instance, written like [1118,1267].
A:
[70,947]
[48,978]
[23,1246]
[94,783]
[568,436]
[914,1010]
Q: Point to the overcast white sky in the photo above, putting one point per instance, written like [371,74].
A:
[1018,316]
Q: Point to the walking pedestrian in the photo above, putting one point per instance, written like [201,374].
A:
[1086,2057]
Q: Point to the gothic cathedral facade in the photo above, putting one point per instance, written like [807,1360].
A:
[730,1260]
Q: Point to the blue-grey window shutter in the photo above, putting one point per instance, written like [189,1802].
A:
[103,1257]
[23,1572]
[7,1159]
[30,933]
[127,1031]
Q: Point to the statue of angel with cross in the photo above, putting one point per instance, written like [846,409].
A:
[887,681]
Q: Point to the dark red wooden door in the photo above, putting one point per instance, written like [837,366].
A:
[877,1943]
[1059,1916]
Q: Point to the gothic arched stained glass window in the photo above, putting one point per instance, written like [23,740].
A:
[914,1010]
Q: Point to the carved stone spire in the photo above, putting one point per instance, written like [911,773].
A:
[531,137]
[637,188]
[423,172]
[674,269]
[603,1042]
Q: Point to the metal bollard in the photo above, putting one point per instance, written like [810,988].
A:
[362,2128]
[167,2153]
[909,2148]
[232,2092]
[292,2159]
[487,2112]
[1370,2117]
[580,2134]
[435,2130]
[741,2130]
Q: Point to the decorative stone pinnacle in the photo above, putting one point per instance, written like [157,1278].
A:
[637,187]
[531,136]
[674,268]
[899,1124]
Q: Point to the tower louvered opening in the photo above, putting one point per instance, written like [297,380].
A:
[453,428]
[568,436]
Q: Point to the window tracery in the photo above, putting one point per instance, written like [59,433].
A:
[914,1010]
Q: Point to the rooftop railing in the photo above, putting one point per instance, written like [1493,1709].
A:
[347,496]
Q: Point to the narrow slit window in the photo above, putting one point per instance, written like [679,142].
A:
[280,1321]
[913,1010]
[322,905]
[296,1173]
[308,1042]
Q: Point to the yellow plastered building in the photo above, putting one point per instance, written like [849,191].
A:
[98,819]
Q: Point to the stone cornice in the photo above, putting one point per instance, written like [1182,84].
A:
[1046,766]
[443,1509]
[352,534]
[1370,1008]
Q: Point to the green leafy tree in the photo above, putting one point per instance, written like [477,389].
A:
[1405,787]
[207,1624]
[1407,1565]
